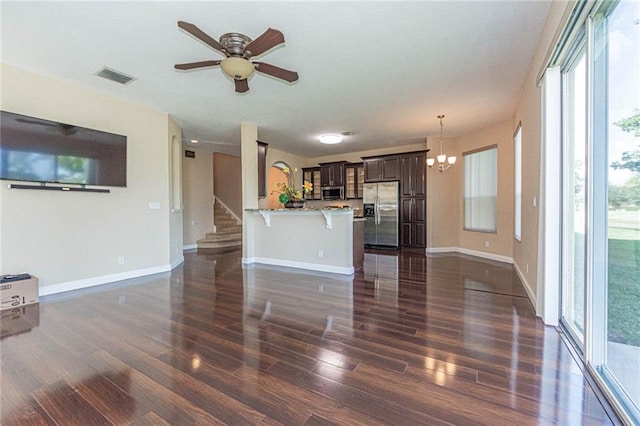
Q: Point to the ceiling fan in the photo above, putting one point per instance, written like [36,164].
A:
[239,49]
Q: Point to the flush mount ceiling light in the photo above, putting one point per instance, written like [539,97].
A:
[330,138]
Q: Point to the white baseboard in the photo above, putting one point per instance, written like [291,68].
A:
[179,261]
[104,279]
[344,270]
[527,287]
[490,256]
[441,250]
[190,247]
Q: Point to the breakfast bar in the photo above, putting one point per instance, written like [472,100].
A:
[314,239]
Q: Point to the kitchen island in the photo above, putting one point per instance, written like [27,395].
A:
[315,239]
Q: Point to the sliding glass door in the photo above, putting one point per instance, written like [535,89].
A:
[601,196]
[616,227]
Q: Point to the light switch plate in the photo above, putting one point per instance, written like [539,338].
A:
[154,205]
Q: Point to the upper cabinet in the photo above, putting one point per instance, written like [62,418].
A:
[413,182]
[354,180]
[312,174]
[332,174]
[380,169]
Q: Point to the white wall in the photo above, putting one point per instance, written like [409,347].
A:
[74,239]
[529,112]
[443,193]
[198,196]
[273,244]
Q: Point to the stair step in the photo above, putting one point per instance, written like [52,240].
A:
[221,237]
[227,231]
[222,214]
[218,244]
[225,220]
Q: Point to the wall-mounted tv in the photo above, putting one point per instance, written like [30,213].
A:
[37,150]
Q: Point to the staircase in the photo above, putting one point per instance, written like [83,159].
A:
[228,233]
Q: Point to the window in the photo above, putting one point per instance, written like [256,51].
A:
[517,151]
[480,189]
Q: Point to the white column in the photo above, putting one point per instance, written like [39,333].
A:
[249,163]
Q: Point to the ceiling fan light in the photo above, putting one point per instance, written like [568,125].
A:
[237,68]
[330,138]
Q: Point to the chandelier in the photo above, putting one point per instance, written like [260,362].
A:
[444,162]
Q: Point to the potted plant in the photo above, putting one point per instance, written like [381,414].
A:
[290,196]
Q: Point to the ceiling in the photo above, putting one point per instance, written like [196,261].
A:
[383,70]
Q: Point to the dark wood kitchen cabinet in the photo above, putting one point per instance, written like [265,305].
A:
[413,201]
[354,179]
[312,174]
[381,169]
[332,174]
[413,224]
[413,181]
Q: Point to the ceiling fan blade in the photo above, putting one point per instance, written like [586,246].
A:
[201,35]
[277,72]
[241,85]
[266,41]
[201,64]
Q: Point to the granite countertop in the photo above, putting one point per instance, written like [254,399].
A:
[302,210]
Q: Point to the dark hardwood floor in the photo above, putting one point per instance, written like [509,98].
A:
[408,340]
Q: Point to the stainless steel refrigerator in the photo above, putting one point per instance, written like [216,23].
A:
[380,205]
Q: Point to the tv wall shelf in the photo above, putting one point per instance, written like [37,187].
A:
[58,188]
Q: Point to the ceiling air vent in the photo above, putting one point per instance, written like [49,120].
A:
[113,75]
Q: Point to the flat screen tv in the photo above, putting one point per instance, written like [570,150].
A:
[37,150]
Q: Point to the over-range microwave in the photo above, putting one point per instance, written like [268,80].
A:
[333,193]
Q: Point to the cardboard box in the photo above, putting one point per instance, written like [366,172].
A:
[19,320]
[14,294]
